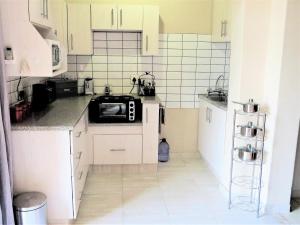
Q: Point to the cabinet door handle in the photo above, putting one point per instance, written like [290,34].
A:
[146,115]
[206,114]
[210,115]
[80,176]
[225,28]
[112,17]
[222,28]
[46,9]
[118,150]
[79,155]
[121,17]
[43,9]
[79,134]
[72,42]
[147,43]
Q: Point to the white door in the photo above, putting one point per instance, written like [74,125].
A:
[104,17]
[130,17]
[117,149]
[150,133]
[221,21]
[39,12]
[79,29]
[150,43]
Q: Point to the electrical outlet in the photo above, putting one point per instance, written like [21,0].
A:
[131,79]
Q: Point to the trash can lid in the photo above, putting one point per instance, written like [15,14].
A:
[29,201]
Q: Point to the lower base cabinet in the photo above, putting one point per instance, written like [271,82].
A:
[117,149]
[211,136]
[54,162]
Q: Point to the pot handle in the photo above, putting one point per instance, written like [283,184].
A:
[238,103]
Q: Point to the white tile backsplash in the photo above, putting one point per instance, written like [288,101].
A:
[186,66]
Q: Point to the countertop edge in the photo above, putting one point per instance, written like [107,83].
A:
[214,103]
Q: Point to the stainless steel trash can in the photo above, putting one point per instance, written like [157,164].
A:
[30,208]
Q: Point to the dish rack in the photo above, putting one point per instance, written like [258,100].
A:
[245,189]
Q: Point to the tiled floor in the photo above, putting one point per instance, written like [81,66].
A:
[183,191]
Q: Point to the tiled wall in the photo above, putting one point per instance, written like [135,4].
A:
[25,84]
[187,65]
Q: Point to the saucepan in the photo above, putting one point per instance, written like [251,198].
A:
[249,130]
[247,153]
[249,107]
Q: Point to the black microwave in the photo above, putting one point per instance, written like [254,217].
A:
[115,109]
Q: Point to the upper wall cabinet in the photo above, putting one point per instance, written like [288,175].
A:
[130,17]
[150,40]
[104,17]
[221,20]
[79,29]
[113,17]
[59,9]
[39,13]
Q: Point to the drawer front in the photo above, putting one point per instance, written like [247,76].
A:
[117,149]
[79,178]
[79,148]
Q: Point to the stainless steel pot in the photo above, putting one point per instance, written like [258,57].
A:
[249,130]
[247,153]
[249,107]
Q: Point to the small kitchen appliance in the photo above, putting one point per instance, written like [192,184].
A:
[56,54]
[88,86]
[115,109]
[42,95]
[63,87]
[146,85]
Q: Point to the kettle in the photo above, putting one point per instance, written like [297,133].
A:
[88,86]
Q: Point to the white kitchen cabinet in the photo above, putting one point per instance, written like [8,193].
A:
[116,143]
[104,17]
[150,133]
[117,149]
[59,13]
[150,42]
[130,17]
[211,135]
[116,17]
[54,162]
[39,13]
[79,29]
[221,18]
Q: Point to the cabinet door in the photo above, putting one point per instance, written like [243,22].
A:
[58,11]
[150,133]
[130,17]
[203,129]
[227,20]
[150,42]
[221,21]
[39,12]
[104,17]
[126,150]
[79,29]
[218,129]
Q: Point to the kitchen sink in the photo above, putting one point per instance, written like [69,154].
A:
[218,98]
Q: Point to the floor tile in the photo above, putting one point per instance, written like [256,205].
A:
[181,191]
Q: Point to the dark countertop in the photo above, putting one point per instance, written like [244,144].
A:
[220,105]
[62,114]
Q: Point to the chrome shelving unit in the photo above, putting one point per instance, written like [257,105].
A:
[249,185]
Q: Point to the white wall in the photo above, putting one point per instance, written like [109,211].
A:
[288,115]
[265,66]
